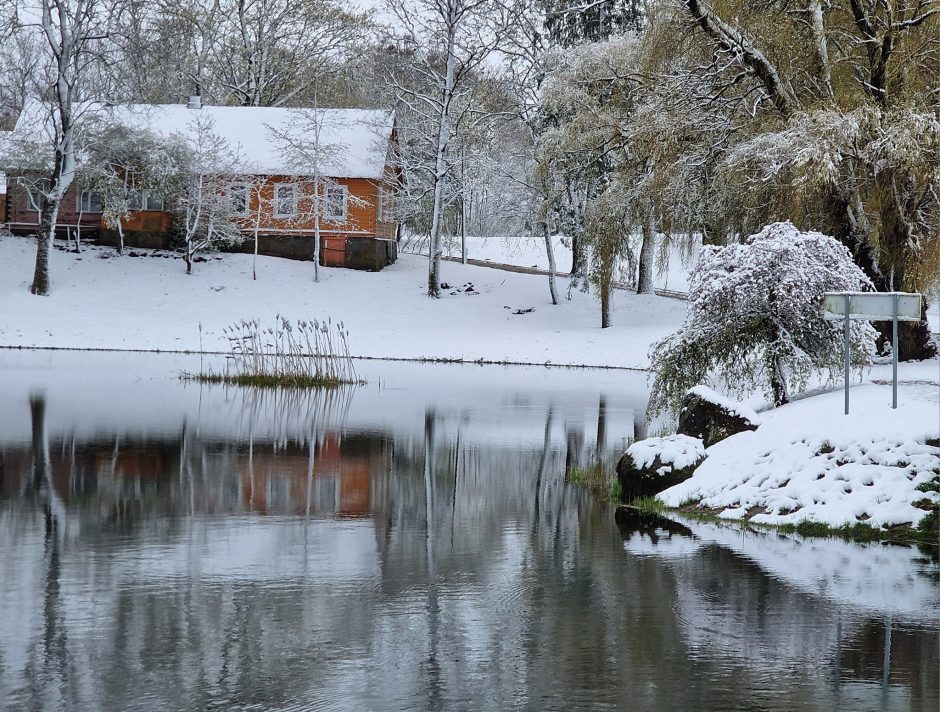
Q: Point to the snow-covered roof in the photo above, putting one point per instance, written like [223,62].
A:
[355,142]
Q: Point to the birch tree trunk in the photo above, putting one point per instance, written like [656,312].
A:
[44,236]
[63,172]
[316,236]
[821,47]
[68,31]
[435,250]
[254,257]
[463,207]
[644,284]
[550,252]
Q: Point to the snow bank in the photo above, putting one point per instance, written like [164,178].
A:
[808,461]
[675,452]
[728,404]
[150,303]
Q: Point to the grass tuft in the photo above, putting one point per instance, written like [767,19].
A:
[598,480]
[649,504]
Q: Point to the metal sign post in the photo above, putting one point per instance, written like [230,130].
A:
[894,354]
[847,351]
[872,306]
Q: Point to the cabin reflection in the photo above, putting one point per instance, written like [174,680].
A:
[338,477]
[82,468]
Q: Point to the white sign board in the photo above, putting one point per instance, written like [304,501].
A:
[872,306]
[3,183]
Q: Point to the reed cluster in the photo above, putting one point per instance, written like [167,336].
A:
[301,354]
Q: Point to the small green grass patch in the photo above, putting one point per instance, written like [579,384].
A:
[598,480]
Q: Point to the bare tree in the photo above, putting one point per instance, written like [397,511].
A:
[20,63]
[446,41]
[305,148]
[275,50]
[246,52]
[208,169]
[121,162]
[76,35]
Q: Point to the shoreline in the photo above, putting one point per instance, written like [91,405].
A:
[860,532]
[407,359]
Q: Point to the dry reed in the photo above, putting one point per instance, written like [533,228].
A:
[302,354]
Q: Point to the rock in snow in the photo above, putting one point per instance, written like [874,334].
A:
[652,465]
[711,417]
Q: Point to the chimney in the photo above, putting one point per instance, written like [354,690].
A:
[195,102]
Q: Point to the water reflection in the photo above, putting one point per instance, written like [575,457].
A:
[409,546]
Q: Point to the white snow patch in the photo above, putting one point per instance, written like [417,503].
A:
[150,303]
[808,461]
[675,452]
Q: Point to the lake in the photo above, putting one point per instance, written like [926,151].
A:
[411,544]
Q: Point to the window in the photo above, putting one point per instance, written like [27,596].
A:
[285,200]
[89,202]
[385,205]
[238,199]
[154,200]
[144,200]
[335,203]
[34,199]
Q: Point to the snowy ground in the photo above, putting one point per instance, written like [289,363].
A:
[530,252]
[809,461]
[150,303]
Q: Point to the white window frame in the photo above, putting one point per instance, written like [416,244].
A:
[335,217]
[277,200]
[384,212]
[147,196]
[139,196]
[80,199]
[33,199]
[245,211]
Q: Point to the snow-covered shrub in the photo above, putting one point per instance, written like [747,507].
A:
[206,169]
[755,318]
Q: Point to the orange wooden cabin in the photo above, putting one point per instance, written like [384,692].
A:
[270,197]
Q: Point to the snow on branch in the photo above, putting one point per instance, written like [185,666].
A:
[755,321]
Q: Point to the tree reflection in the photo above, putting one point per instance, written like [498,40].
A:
[304,560]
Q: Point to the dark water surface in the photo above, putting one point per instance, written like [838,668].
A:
[411,545]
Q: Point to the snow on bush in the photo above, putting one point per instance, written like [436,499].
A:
[675,452]
[755,318]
